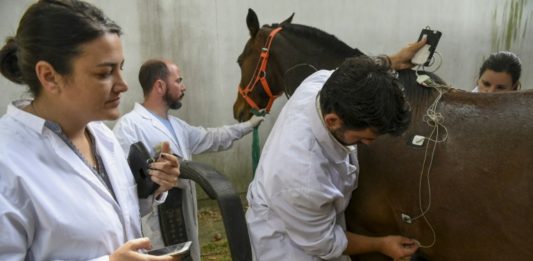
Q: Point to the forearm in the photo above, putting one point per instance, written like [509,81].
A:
[392,246]
[359,244]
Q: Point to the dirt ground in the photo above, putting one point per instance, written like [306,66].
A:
[213,242]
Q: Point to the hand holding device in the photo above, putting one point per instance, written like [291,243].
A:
[173,250]
[424,55]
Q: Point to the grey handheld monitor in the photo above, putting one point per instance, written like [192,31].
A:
[173,250]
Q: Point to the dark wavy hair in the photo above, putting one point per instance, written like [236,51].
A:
[364,95]
[51,31]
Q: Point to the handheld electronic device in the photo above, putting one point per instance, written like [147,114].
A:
[139,159]
[173,250]
[424,55]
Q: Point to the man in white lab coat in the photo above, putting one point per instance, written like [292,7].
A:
[150,123]
[308,167]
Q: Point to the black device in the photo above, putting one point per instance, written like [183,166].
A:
[424,55]
[138,160]
[180,249]
[171,216]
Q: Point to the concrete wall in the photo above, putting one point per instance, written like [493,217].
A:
[205,37]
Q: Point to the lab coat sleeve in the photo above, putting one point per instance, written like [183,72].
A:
[16,227]
[309,218]
[215,139]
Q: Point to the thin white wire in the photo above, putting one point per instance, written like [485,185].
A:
[435,120]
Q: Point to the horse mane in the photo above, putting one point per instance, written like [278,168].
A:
[312,33]
[419,97]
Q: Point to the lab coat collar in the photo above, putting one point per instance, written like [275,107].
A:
[37,124]
[106,148]
[27,119]
[335,151]
[147,115]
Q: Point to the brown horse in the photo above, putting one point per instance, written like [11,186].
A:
[462,188]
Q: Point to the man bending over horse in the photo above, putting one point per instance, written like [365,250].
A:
[308,167]
[150,123]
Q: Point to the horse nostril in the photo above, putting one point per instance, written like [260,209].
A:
[240,113]
[237,114]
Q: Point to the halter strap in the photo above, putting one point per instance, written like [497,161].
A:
[260,76]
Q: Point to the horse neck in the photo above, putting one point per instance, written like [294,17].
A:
[419,97]
[295,57]
[312,51]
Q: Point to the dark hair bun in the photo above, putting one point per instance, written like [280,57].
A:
[9,61]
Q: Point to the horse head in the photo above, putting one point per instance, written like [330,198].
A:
[259,83]
[278,57]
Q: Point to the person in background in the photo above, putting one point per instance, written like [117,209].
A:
[308,167]
[498,73]
[66,190]
[150,122]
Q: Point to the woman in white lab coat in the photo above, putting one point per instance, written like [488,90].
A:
[66,191]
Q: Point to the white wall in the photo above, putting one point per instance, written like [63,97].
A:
[205,37]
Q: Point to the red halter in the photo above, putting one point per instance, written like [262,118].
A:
[260,76]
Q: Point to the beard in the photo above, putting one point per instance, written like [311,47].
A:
[173,104]
[339,136]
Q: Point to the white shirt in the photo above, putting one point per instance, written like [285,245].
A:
[303,184]
[52,206]
[187,140]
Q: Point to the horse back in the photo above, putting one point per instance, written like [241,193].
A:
[476,182]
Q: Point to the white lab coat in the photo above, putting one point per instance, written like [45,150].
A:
[302,185]
[52,206]
[142,125]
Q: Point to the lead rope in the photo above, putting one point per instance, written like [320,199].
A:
[433,119]
[256,148]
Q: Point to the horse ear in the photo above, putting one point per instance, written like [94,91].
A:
[252,22]
[288,20]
